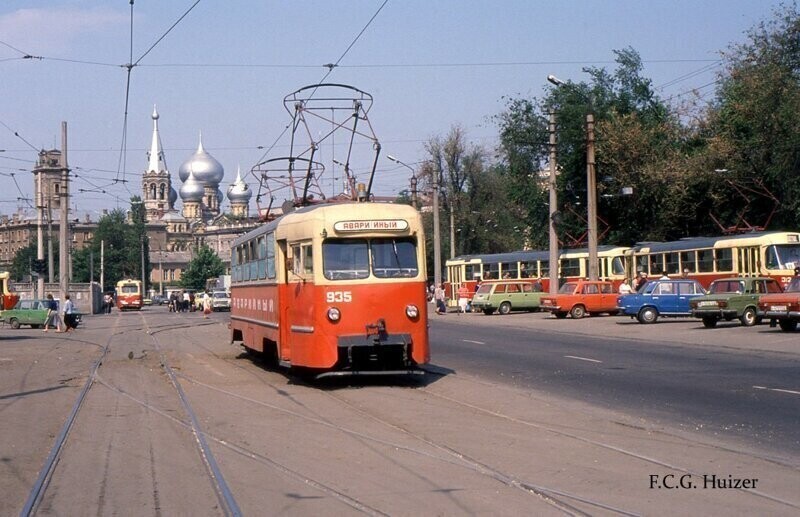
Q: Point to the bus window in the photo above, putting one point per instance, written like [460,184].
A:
[394,258]
[724,259]
[656,264]
[672,263]
[705,261]
[491,271]
[345,259]
[688,261]
[509,269]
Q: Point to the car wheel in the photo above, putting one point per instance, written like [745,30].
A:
[648,315]
[577,312]
[14,323]
[786,325]
[505,308]
[748,317]
[488,312]
[560,315]
[709,323]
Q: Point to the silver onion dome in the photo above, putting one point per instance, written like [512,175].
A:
[191,190]
[238,191]
[173,196]
[206,169]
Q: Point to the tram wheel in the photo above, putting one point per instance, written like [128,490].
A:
[505,308]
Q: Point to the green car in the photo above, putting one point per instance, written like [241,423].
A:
[27,312]
[730,298]
[506,296]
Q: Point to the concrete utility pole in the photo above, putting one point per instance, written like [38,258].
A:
[102,265]
[63,274]
[553,259]
[437,250]
[39,233]
[51,267]
[591,197]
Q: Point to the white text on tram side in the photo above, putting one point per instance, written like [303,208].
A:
[257,304]
[339,296]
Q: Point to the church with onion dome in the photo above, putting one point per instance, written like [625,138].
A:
[204,217]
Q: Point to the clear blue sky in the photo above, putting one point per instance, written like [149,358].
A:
[428,64]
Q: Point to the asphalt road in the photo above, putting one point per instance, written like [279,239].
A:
[747,396]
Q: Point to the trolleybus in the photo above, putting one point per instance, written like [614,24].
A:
[129,294]
[573,265]
[334,289]
[705,259]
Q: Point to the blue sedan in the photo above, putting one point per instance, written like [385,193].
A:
[660,298]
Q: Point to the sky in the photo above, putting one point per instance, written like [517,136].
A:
[225,68]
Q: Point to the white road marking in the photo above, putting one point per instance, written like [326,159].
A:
[471,341]
[5,359]
[582,358]
[777,389]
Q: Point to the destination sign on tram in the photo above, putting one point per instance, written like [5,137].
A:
[371,225]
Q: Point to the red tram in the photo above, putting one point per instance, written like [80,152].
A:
[334,289]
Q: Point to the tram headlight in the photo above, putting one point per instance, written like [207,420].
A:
[334,314]
[412,311]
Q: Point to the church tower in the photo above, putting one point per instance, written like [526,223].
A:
[157,192]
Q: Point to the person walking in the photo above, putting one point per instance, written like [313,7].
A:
[185,306]
[439,297]
[206,305]
[52,314]
[463,299]
[69,314]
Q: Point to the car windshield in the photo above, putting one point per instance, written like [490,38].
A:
[783,256]
[567,288]
[727,286]
[485,289]
[220,295]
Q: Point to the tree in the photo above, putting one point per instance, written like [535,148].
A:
[205,264]
[21,266]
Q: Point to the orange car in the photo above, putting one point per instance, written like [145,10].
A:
[578,298]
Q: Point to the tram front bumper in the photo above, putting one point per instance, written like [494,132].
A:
[379,352]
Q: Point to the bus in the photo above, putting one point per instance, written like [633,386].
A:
[129,294]
[533,265]
[705,259]
[8,298]
[333,290]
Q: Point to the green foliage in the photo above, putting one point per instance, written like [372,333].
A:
[205,264]
[22,265]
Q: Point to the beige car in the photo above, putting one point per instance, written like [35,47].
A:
[505,296]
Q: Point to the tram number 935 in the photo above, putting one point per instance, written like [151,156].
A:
[339,297]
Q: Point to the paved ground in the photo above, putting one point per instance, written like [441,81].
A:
[451,444]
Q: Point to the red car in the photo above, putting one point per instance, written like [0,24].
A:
[784,307]
[581,297]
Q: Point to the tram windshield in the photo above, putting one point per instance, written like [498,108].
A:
[349,259]
[129,289]
[783,256]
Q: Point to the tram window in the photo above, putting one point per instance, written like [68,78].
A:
[688,261]
[724,259]
[296,259]
[783,256]
[262,260]
[308,258]
[656,264]
[270,256]
[491,271]
[705,261]
[571,267]
[394,258]
[545,267]
[529,270]
[672,263]
[617,266]
[472,271]
[641,263]
[345,259]
[509,269]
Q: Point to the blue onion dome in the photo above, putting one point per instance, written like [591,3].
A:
[191,190]
[206,169]
[238,190]
[173,196]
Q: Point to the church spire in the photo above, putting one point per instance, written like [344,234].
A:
[157,164]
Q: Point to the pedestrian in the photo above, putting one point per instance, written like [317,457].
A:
[641,281]
[192,305]
[664,275]
[52,314]
[625,287]
[185,305]
[69,314]
[537,285]
[439,297]
[206,305]
[463,299]
[685,274]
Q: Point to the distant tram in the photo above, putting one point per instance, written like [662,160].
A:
[129,295]
[333,290]
[8,298]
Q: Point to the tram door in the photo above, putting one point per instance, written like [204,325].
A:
[748,261]
[298,321]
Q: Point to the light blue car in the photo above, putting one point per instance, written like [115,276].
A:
[660,298]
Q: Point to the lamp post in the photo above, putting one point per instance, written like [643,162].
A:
[413,178]
[553,212]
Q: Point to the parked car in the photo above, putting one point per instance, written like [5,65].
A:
[220,301]
[28,312]
[730,298]
[582,297]
[660,298]
[783,307]
[506,296]
[159,299]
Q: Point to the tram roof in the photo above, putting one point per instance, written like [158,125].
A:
[525,255]
[699,242]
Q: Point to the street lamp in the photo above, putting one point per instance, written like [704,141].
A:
[553,212]
[413,178]
[437,251]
